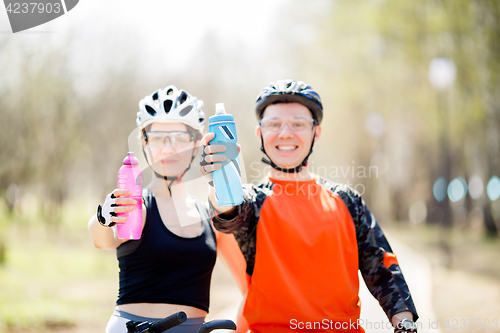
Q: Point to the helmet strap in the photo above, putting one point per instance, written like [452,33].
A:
[297,169]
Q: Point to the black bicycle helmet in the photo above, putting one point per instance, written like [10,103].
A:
[290,91]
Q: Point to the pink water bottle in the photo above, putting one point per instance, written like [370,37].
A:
[130,178]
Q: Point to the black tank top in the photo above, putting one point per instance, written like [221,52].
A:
[162,267]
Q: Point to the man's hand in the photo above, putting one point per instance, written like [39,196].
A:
[210,161]
[396,319]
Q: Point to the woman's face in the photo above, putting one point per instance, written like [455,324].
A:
[169,148]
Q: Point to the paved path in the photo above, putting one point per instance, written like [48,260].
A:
[417,273]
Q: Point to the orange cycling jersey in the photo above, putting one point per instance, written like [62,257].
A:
[304,243]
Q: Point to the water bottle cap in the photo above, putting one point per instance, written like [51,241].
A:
[219,108]
[130,159]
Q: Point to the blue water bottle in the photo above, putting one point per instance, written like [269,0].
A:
[227,180]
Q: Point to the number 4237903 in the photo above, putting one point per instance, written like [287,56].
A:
[33,7]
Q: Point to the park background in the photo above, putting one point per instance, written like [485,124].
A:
[396,128]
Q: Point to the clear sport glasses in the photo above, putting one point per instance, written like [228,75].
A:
[296,124]
[177,139]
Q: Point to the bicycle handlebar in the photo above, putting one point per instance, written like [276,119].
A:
[174,320]
[169,322]
[159,326]
[216,325]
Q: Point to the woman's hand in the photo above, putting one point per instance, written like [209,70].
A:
[116,202]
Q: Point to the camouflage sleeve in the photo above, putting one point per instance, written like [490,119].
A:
[377,262]
[244,224]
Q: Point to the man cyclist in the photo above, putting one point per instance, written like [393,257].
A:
[304,238]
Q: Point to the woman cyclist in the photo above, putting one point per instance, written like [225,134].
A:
[169,268]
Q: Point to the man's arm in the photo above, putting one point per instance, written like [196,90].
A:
[228,219]
[244,223]
[227,212]
[240,220]
[377,262]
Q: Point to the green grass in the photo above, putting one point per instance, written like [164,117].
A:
[53,277]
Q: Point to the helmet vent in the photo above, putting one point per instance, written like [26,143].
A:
[150,110]
[182,98]
[186,110]
[167,105]
[171,105]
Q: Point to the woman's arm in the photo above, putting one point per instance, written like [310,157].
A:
[103,237]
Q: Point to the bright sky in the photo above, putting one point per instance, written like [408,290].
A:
[161,34]
[172,28]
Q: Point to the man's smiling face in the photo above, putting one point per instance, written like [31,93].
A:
[288,147]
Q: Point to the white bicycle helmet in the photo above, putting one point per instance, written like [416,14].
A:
[171,105]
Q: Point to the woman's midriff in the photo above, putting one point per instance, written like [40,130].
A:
[153,310]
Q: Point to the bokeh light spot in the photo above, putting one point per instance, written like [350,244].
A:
[476,187]
[457,189]
[493,188]
[439,189]
[418,212]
